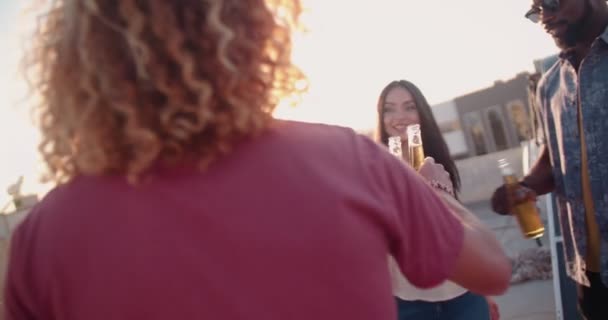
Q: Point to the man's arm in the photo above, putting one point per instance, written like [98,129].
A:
[540,179]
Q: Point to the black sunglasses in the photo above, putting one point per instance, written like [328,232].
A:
[545,5]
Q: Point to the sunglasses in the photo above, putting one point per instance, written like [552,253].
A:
[545,5]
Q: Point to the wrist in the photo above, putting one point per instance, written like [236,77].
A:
[525,182]
[441,187]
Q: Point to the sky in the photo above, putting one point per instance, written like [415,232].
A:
[18,136]
[351,51]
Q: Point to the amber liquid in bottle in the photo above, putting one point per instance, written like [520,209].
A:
[415,149]
[416,156]
[527,214]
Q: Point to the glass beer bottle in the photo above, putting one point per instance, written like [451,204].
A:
[414,145]
[526,212]
[394,146]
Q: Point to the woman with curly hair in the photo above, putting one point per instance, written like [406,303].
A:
[180,197]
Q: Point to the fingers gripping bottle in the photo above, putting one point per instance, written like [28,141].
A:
[526,212]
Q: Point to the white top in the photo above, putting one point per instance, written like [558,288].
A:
[404,290]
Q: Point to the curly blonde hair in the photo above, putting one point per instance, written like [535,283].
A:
[126,84]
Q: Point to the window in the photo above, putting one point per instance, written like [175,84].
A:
[520,119]
[498,129]
[474,128]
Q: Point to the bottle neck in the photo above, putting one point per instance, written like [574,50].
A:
[510,179]
[405,151]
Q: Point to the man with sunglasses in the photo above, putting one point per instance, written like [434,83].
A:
[573,109]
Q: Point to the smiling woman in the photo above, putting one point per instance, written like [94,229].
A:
[402,104]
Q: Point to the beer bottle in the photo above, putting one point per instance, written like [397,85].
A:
[526,212]
[414,144]
[394,146]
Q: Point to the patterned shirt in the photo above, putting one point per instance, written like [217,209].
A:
[559,93]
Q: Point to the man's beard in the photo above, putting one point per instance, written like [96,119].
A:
[574,31]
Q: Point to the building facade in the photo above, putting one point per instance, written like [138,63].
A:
[496,118]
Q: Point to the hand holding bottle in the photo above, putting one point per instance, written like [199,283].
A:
[519,200]
[436,175]
[503,204]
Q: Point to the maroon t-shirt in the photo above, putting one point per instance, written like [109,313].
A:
[296,224]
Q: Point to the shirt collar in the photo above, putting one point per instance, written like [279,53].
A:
[604,36]
[569,54]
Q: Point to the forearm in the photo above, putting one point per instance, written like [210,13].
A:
[540,179]
[468,217]
[482,265]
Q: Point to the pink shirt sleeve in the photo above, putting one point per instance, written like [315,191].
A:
[426,237]
[20,287]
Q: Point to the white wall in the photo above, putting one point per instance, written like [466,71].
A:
[480,175]
[446,116]
[456,143]
[445,112]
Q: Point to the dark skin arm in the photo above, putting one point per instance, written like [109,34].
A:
[538,182]
[540,178]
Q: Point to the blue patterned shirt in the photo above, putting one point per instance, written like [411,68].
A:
[559,92]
